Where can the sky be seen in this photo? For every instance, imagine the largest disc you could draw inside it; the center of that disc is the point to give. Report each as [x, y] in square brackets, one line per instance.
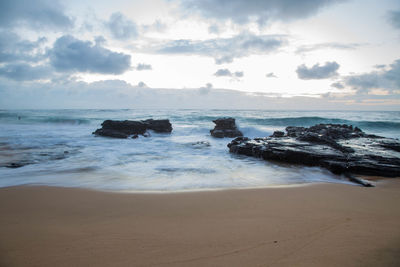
[250, 54]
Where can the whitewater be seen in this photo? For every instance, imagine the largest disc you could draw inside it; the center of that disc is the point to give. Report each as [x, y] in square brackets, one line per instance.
[62, 151]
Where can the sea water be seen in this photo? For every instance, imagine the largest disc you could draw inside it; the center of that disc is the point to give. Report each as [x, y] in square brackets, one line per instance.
[62, 151]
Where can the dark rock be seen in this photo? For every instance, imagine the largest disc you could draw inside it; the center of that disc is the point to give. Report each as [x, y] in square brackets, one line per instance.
[341, 149]
[278, 134]
[110, 133]
[15, 165]
[159, 126]
[225, 127]
[124, 129]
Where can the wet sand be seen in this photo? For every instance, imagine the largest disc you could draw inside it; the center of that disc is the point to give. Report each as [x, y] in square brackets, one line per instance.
[317, 225]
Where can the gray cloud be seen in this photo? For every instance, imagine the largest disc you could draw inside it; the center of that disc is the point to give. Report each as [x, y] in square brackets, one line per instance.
[38, 14]
[228, 73]
[380, 66]
[224, 50]
[121, 27]
[25, 72]
[261, 11]
[309, 48]
[394, 18]
[271, 75]
[12, 48]
[143, 66]
[141, 85]
[71, 54]
[337, 85]
[318, 72]
[388, 79]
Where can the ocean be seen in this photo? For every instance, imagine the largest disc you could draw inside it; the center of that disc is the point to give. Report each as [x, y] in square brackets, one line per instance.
[61, 150]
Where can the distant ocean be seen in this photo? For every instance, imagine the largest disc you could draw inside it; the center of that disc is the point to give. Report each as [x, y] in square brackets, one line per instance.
[63, 152]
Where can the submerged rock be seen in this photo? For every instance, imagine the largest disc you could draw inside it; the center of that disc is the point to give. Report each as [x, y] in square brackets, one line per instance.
[225, 127]
[341, 149]
[124, 129]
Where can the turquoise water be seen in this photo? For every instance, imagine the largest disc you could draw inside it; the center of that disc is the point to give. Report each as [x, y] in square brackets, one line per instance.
[63, 152]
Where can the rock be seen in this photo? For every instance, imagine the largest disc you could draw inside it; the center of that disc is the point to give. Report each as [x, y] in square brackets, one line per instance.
[225, 127]
[124, 129]
[341, 149]
[159, 126]
[15, 165]
[200, 144]
[278, 134]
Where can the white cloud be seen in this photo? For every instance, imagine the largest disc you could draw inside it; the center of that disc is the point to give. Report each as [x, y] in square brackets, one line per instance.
[119, 94]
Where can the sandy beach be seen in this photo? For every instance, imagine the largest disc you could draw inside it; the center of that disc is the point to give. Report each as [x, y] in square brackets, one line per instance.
[315, 225]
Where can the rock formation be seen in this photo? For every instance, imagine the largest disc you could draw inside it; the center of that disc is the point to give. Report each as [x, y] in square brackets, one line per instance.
[341, 149]
[125, 129]
[225, 127]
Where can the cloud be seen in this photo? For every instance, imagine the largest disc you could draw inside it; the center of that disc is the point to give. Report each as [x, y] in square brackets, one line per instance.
[25, 72]
[214, 28]
[318, 72]
[121, 27]
[141, 85]
[260, 11]
[119, 94]
[143, 66]
[380, 66]
[271, 75]
[205, 89]
[309, 48]
[73, 55]
[224, 50]
[387, 79]
[156, 26]
[12, 48]
[394, 18]
[38, 14]
[337, 85]
[228, 73]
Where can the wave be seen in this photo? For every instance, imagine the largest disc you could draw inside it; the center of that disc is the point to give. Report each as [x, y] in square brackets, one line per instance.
[195, 120]
[63, 120]
[309, 121]
[23, 118]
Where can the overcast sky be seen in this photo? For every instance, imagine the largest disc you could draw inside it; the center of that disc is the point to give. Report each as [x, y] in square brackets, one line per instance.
[288, 54]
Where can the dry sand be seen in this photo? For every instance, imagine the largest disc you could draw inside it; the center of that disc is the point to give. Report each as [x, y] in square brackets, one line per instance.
[317, 225]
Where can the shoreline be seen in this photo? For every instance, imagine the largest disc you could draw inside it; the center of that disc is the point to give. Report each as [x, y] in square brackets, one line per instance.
[313, 225]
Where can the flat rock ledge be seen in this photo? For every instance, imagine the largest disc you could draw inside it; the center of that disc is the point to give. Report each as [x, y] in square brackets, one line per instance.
[127, 128]
[225, 127]
[342, 149]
